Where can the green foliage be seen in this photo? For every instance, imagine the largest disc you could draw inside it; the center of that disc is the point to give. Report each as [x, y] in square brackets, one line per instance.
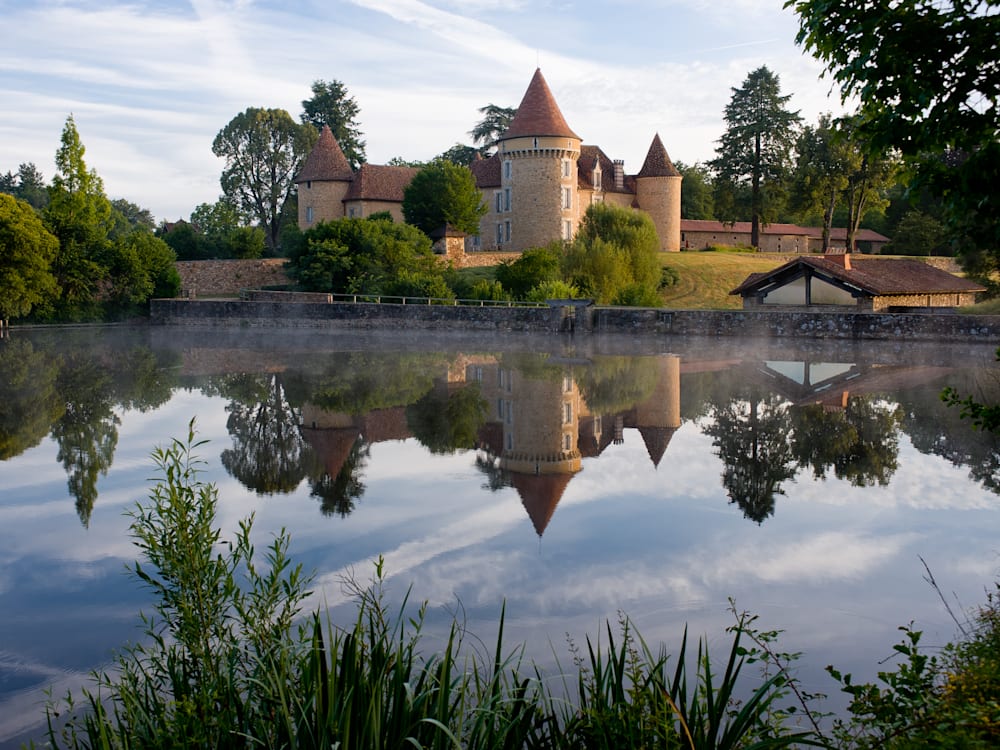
[495, 122]
[27, 185]
[186, 243]
[697, 201]
[79, 215]
[754, 154]
[486, 289]
[27, 251]
[925, 75]
[918, 234]
[263, 150]
[365, 255]
[446, 422]
[219, 230]
[443, 193]
[534, 267]
[140, 266]
[552, 290]
[615, 256]
[461, 154]
[127, 216]
[330, 104]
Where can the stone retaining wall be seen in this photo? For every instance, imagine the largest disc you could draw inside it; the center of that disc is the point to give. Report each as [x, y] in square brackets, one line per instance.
[899, 327]
[204, 278]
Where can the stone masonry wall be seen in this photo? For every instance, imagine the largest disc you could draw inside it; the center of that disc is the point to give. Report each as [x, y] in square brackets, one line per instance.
[206, 278]
[898, 327]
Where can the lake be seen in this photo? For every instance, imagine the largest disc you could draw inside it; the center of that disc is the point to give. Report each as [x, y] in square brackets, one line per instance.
[571, 479]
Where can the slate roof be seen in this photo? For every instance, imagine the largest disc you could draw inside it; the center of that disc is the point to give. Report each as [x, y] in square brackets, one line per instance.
[376, 182]
[657, 162]
[326, 162]
[538, 113]
[877, 277]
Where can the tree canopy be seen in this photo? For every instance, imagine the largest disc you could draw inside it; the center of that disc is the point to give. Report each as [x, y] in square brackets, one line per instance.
[443, 193]
[754, 153]
[927, 74]
[26, 251]
[263, 150]
[330, 104]
[495, 122]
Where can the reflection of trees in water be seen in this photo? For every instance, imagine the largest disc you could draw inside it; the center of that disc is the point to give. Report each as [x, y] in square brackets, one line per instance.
[938, 430]
[859, 442]
[268, 453]
[448, 420]
[751, 436]
[87, 431]
[339, 495]
[615, 384]
[489, 465]
[29, 395]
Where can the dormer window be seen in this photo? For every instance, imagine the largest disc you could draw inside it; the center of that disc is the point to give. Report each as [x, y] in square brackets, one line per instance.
[597, 178]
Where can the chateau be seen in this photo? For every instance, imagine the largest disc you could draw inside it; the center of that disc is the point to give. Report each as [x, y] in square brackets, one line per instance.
[536, 187]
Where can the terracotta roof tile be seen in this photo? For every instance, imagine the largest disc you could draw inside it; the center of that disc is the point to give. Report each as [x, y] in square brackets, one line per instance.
[486, 171]
[589, 155]
[876, 276]
[326, 162]
[376, 182]
[657, 162]
[538, 113]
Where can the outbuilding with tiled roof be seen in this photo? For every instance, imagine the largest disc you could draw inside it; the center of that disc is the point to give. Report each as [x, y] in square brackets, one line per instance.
[845, 280]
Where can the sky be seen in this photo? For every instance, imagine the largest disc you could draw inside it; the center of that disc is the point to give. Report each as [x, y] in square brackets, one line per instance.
[150, 83]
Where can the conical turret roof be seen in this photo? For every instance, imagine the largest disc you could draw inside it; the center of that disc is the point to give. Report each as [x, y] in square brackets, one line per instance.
[657, 162]
[538, 113]
[326, 161]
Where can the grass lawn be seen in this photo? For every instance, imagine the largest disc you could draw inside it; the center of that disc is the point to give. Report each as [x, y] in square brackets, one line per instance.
[706, 278]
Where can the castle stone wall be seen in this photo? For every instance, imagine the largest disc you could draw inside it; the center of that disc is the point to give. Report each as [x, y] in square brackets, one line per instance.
[898, 327]
[205, 278]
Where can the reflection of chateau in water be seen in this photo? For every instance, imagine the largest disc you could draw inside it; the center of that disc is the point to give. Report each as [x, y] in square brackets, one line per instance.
[540, 428]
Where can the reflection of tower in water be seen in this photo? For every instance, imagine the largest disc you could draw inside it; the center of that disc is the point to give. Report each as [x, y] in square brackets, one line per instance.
[538, 423]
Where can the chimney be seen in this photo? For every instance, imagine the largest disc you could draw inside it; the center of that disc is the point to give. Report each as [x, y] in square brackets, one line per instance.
[619, 174]
[841, 258]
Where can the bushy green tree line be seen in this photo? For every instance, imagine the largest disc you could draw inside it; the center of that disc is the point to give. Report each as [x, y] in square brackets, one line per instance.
[76, 254]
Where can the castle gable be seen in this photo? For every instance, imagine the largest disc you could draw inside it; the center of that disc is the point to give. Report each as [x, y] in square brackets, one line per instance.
[326, 162]
[538, 113]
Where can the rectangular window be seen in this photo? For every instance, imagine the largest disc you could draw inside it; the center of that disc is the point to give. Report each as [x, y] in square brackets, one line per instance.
[567, 195]
[567, 231]
[568, 413]
[567, 443]
[506, 199]
[499, 408]
[499, 200]
[508, 169]
[506, 228]
[566, 168]
[567, 384]
[499, 234]
[509, 412]
[352, 212]
[510, 441]
[309, 214]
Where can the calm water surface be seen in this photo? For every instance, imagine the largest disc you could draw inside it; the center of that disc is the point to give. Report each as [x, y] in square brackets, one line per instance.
[571, 479]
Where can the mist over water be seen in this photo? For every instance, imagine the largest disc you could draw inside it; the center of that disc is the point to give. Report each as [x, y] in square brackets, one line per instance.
[570, 478]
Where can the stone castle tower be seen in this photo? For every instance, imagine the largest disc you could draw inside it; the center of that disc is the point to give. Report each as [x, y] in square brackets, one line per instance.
[323, 181]
[658, 193]
[538, 157]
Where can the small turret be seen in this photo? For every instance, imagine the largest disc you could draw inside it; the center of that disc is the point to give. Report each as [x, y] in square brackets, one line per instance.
[323, 181]
[658, 193]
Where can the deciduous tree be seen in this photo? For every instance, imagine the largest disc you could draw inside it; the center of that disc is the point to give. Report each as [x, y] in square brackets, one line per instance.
[443, 193]
[331, 105]
[27, 251]
[928, 79]
[754, 154]
[263, 150]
